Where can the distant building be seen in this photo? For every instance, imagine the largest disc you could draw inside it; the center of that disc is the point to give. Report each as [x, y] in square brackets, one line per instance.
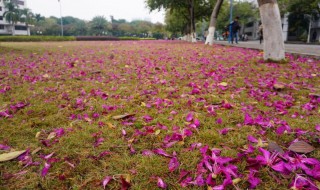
[251, 28]
[5, 27]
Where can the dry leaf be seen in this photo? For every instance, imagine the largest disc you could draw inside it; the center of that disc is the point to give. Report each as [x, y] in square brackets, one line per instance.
[223, 84]
[261, 143]
[157, 132]
[274, 147]
[122, 116]
[11, 155]
[45, 76]
[236, 181]
[36, 150]
[110, 125]
[278, 86]
[314, 95]
[51, 135]
[38, 134]
[301, 147]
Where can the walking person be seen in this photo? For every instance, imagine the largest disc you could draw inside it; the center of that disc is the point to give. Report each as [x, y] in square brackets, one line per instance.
[260, 32]
[314, 36]
[235, 28]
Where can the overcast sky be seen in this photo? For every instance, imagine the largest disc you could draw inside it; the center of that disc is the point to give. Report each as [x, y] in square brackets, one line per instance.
[120, 9]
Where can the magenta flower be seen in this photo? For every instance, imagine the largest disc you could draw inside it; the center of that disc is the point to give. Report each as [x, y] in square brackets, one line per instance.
[224, 131]
[173, 164]
[161, 152]
[147, 153]
[267, 159]
[189, 117]
[4, 147]
[254, 181]
[106, 181]
[147, 118]
[45, 169]
[98, 142]
[161, 183]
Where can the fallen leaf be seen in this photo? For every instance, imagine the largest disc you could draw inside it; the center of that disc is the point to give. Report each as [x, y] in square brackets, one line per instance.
[11, 155]
[278, 86]
[45, 76]
[274, 147]
[36, 150]
[314, 95]
[261, 143]
[157, 132]
[38, 134]
[122, 116]
[110, 125]
[301, 147]
[51, 135]
[223, 84]
[236, 181]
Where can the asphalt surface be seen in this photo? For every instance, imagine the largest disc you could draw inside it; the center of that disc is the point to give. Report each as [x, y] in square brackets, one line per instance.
[301, 49]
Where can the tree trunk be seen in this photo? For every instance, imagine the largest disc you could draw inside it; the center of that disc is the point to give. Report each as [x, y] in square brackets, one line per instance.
[28, 31]
[13, 30]
[272, 30]
[192, 22]
[213, 21]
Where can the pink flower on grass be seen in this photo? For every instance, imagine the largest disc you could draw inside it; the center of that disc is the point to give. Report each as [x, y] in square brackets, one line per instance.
[161, 183]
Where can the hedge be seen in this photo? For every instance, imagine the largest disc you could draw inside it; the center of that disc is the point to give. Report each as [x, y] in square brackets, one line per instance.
[67, 38]
[96, 38]
[35, 38]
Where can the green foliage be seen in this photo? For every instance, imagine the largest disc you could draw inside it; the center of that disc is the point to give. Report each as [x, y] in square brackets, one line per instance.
[98, 25]
[181, 15]
[245, 10]
[128, 38]
[298, 22]
[34, 38]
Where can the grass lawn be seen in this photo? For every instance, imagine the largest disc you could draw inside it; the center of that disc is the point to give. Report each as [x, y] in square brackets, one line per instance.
[156, 114]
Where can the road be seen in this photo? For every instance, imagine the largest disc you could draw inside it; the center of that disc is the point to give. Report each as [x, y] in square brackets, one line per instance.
[302, 49]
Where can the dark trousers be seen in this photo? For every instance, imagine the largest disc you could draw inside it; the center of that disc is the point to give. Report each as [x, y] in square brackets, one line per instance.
[234, 35]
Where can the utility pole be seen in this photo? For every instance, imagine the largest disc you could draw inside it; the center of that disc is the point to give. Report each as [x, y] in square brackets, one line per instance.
[230, 26]
[61, 22]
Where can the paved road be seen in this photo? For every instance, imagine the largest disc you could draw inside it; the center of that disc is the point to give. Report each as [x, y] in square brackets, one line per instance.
[303, 49]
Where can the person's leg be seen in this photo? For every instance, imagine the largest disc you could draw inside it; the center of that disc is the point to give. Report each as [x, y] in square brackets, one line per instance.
[236, 37]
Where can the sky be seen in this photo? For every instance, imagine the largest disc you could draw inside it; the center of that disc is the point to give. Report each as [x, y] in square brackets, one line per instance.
[120, 9]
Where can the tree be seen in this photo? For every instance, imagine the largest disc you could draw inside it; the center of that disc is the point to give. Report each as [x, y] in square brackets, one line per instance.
[27, 17]
[98, 25]
[213, 21]
[190, 9]
[301, 14]
[12, 14]
[272, 30]
[176, 22]
[38, 17]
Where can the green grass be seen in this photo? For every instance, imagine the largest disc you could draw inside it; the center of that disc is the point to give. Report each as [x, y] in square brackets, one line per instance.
[38, 73]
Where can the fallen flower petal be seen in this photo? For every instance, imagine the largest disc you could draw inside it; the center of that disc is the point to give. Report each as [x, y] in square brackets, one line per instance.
[161, 183]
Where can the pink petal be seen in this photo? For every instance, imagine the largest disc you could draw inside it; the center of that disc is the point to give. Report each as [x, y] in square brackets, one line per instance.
[161, 152]
[45, 169]
[4, 147]
[189, 117]
[173, 164]
[161, 183]
[252, 139]
[105, 181]
[147, 153]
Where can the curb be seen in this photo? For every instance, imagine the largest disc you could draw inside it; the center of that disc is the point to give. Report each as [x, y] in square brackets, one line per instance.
[317, 57]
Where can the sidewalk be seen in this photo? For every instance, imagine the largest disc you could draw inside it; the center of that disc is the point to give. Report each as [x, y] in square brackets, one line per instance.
[300, 49]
